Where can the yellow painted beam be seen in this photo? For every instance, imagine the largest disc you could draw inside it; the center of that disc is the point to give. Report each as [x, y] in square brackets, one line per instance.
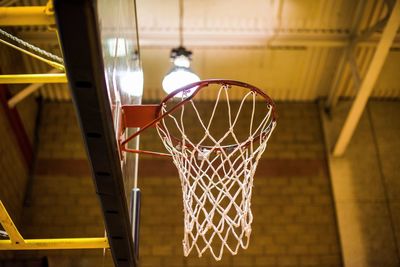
[56, 243]
[33, 78]
[368, 83]
[9, 227]
[26, 16]
[17, 242]
[27, 91]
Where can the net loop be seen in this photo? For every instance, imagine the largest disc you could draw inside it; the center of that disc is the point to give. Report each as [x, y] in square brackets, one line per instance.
[216, 166]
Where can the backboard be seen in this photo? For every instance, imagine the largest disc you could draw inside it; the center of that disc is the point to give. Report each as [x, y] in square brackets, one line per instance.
[122, 68]
[124, 78]
[99, 45]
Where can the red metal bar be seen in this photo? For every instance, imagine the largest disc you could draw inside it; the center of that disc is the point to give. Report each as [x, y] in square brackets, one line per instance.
[145, 152]
[15, 122]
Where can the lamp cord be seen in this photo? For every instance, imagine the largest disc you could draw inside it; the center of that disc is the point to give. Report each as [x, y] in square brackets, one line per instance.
[181, 22]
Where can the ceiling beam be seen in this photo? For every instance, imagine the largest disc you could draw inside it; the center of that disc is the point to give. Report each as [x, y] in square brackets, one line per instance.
[367, 84]
[354, 69]
[334, 92]
[159, 38]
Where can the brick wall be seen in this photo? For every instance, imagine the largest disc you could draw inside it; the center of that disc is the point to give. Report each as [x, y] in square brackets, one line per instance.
[365, 184]
[13, 173]
[294, 220]
[27, 108]
[62, 200]
[14, 170]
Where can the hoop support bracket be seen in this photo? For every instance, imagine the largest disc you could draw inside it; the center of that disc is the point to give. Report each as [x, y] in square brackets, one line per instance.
[138, 116]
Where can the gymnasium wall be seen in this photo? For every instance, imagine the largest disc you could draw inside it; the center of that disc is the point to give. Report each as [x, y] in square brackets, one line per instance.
[366, 183]
[62, 201]
[294, 218]
[13, 173]
[14, 168]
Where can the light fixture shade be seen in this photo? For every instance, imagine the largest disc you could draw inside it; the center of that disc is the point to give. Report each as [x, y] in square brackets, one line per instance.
[177, 78]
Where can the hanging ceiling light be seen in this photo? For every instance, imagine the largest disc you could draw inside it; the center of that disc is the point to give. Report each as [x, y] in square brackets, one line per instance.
[180, 73]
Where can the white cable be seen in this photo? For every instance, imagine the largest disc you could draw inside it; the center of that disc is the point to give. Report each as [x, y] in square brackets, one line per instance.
[31, 47]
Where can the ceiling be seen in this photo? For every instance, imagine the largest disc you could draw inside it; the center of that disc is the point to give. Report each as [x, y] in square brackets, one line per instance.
[290, 48]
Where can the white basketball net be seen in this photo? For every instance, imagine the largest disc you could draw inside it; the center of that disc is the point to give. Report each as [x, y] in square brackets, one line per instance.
[216, 178]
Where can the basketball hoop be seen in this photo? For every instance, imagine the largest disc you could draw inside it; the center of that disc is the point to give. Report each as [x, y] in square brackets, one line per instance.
[216, 166]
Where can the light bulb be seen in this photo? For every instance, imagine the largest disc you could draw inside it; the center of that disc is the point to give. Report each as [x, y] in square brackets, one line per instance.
[177, 78]
[131, 82]
[182, 61]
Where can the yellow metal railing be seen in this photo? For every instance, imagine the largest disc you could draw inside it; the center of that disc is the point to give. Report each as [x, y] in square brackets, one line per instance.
[33, 78]
[17, 242]
[26, 16]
